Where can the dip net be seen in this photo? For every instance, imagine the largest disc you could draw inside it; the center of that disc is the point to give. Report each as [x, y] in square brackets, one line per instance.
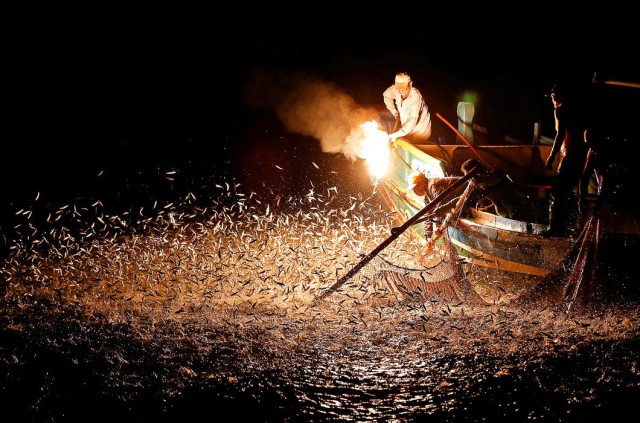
[440, 277]
[571, 284]
[436, 276]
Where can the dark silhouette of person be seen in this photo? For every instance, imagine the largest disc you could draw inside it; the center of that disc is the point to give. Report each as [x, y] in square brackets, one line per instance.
[569, 142]
[491, 190]
[494, 190]
[610, 160]
[597, 164]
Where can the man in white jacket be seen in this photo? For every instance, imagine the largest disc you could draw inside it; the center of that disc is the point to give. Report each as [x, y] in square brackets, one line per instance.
[406, 104]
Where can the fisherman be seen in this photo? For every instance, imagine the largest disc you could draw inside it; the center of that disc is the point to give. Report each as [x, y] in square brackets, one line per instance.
[569, 142]
[495, 190]
[429, 189]
[408, 107]
[593, 167]
[491, 190]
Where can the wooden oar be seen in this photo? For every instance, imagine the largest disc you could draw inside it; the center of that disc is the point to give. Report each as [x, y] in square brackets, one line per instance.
[395, 233]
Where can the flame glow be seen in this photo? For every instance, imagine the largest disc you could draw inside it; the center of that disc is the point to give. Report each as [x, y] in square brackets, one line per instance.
[374, 149]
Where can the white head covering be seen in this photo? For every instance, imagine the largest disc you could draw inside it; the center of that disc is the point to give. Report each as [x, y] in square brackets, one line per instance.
[402, 80]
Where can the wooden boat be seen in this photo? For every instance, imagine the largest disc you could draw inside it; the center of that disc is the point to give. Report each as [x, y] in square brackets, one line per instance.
[558, 268]
[485, 238]
[539, 271]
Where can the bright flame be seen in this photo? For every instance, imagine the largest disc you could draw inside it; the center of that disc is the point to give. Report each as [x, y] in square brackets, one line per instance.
[374, 149]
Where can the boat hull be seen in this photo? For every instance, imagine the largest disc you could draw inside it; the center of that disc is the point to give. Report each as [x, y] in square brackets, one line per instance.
[522, 251]
[487, 239]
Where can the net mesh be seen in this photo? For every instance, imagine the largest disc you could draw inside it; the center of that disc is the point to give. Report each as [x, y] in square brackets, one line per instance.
[439, 277]
[571, 283]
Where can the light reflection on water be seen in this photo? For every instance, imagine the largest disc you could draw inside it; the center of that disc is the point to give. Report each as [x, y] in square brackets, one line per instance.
[342, 374]
[372, 391]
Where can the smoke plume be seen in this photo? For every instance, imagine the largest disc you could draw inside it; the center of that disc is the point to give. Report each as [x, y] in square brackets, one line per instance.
[310, 106]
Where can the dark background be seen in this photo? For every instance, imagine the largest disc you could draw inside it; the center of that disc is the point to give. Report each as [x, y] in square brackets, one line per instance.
[98, 98]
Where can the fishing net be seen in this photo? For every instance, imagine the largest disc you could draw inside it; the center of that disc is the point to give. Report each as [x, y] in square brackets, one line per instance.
[440, 277]
[436, 275]
[570, 285]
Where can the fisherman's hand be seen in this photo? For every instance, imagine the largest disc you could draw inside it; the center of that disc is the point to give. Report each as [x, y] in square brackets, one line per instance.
[393, 137]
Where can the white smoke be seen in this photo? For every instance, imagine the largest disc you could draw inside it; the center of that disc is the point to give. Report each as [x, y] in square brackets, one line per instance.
[309, 106]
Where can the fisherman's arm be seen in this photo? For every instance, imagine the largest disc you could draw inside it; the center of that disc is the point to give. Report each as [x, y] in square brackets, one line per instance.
[557, 140]
[389, 102]
[410, 123]
[405, 129]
